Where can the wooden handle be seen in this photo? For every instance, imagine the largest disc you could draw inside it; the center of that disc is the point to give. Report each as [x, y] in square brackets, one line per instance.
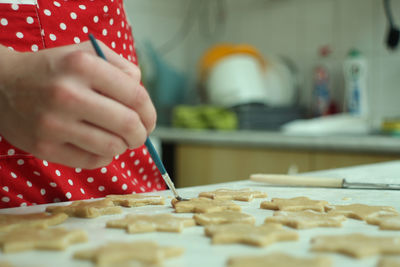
[290, 180]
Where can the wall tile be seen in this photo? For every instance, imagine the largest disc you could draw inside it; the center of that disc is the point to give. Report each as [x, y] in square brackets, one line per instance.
[354, 19]
[273, 30]
[293, 28]
[387, 90]
[157, 21]
[318, 17]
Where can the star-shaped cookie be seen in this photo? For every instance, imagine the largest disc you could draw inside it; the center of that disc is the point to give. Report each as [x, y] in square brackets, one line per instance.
[43, 239]
[357, 245]
[203, 205]
[385, 221]
[229, 194]
[87, 209]
[10, 222]
[359, 211]
[223, 217]
[389, 262]
[294, 204]
[149, 223]
[306, 219]
[249, 234]
[278, 259]
[147, 252]
[135, 200]
[5, 264]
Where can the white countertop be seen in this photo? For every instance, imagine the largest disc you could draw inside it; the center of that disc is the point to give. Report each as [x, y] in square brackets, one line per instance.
[199, 251]
[276, 139]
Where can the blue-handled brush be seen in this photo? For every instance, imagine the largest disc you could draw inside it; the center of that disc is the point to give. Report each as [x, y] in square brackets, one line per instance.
[148, 143]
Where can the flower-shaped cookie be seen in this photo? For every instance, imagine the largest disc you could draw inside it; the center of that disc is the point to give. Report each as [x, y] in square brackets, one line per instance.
[360, 211]
[135, 200]
[146, 252]
[149, 223]
[223, 217]
[278, 259]
[43, 239]
[10, 222]
[87, 209]
[294, 204]
[357, 245]
[249, 234]
[385, 221]
[203, 205]
[229, 194]
[306, 219]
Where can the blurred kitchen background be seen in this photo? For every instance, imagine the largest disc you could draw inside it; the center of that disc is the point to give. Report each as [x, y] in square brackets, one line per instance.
[273, 86]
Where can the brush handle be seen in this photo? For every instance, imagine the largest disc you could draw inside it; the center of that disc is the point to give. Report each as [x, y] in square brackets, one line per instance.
[154, 156]
[96, 47]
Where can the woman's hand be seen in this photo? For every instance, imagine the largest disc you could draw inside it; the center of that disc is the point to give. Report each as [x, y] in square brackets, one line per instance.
[69, 106]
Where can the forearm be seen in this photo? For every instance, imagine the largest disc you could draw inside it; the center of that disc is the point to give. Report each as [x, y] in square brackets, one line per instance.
[8, 63]
[4, 54]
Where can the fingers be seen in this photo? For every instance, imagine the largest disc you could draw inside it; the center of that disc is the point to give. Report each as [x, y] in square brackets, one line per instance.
[94, 140]
[110, 81]
[125, 92]
[59, 129]
[116, 118]
[113, 58]
[142, 102]
[120, 62]
[81, 106]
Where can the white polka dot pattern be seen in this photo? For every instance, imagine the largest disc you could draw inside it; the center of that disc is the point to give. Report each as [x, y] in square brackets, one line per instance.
[28, 180]
[29, 20]
[3, 21]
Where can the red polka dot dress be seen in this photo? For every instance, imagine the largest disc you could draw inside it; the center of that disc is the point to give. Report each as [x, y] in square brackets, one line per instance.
[32, 25]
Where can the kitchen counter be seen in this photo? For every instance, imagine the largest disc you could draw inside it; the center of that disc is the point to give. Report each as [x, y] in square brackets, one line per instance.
[275, 139]
[199, 251]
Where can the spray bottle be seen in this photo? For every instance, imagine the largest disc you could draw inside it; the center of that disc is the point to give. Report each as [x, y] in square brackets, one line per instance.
[321, 84]
[355, 76]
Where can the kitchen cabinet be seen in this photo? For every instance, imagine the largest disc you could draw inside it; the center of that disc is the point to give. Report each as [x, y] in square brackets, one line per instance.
[329, 160]
[199, 164]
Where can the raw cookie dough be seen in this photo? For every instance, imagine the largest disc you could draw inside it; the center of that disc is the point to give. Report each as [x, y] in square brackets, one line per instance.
[294, 204]
[147, 252]
[10, 222]
[135, 200]
[222, 217]
[278, 260]
[42, 239]
[249, 234]
[356, 245]
[359, 211]
[87, 209]
[150, 223]
[306, 219]
[389, 262]
[229, 194]
[203, 205]
[385, 221]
